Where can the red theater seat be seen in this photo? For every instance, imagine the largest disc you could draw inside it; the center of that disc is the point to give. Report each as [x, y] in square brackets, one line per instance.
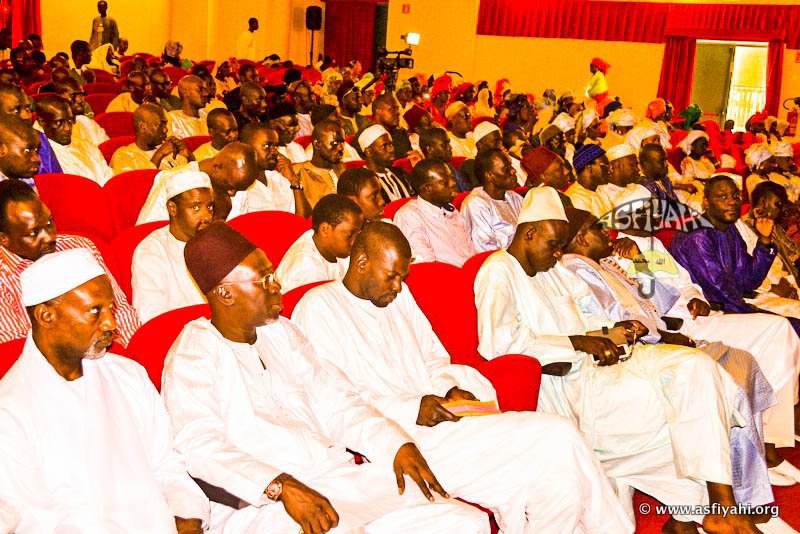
[78, 204]
[272, 231]
[125, 194]
[116, 123]
[107, 148]
[122, 249]
[102, 87]
[99, 102]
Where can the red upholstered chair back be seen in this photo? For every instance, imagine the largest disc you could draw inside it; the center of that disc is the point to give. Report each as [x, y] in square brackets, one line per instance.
[9, 352]
[291, 298]
[174, 73]
[102, 87]
[272, 231]
[195, 141]
[100, 101]
[125, 194]
[405, 164]
[150, 344]
[209, 64]
[107, 148]
[122, 249]
[116, 123]
[473, 265]
[457, 161]
[666, 235]
[675, 157]
[391, 208]
[125, 67]
[355, 164]
[102, 76]
[460, 199]
[303, 141]
[444, 295]
[77, 203]
[103, 247]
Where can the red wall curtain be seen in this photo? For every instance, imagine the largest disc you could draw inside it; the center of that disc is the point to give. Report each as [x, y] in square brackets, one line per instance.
[349, 31]
[677, 71]
[26, 18]
[774, 70]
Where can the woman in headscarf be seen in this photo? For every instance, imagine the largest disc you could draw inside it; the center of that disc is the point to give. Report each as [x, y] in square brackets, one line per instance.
[598, 86]
[483, 106]
[761, 161]
[103, 59]
[172, 55]
[331, 81]
[699, 163]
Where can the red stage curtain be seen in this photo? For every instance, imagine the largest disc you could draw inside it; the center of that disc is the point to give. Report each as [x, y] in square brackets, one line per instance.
[677, 71]
[349, 31]
[638, 21]
[26, 18]
[774, 71]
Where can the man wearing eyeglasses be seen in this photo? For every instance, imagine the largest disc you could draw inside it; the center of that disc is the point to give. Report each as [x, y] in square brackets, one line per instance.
[258, 414]
[459, 129]
[85, 128]
[162, 91]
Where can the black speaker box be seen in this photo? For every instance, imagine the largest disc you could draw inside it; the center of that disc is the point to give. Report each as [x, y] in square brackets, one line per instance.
[314, 18]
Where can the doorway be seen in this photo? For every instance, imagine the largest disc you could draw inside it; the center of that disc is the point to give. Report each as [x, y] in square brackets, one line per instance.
[730, 80]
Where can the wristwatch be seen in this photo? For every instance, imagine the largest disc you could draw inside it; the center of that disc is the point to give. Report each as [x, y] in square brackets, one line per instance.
[275, 488]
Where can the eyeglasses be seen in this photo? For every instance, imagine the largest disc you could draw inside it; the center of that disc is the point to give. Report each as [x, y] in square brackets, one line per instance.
[265, 282]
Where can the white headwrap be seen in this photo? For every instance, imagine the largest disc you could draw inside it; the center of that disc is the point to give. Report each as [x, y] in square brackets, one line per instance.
[564, 122]
[542, 204]
[180, 182]
[641, 132]
[483, 129]
[621, 117]
[620, 151]
[688, 141]
[756, 155]
[54, 274]
[783, 150]
[370, 135]
[589, 116]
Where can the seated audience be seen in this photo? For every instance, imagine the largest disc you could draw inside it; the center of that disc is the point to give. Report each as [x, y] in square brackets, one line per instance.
[138, 91]
[153, 149]
[85, 127]
[349, 106]
[363, 187]
[369, 326]
[378, 149]
[623, 174]
[27, 232]
[435, 144]
[187, 121]
[253, 107]
[283, 119]
[277, 186]
[435, 229]
[699, 163]
[232, 173]
[87, 444]
[19, 150]
[319, 175]
[386, 113]
[301, 95]
[591, 172]
[223, 130]
[491, 211]
[161, 85]
[761, 160]
[75, 156]
[15, 103]
[528, 303]
[459, 130]
[160, 281]
[323, 252]
[487, 136]
[253, 406]
[545, 167]
[79, 66]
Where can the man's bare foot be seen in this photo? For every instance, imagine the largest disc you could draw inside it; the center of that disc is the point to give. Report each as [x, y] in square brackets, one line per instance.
[673, 526]
[732, 524]
[771, 455]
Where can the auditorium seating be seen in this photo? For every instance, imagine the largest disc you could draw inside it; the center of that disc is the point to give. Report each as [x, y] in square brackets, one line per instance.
[107, 148]
[99, 102]
[77, 203]
[355, 164]
[122, 249]
[9, 352]
[150, 344]
[174, 73]
[392, 207]
[195, 141]
[103, 76]
[102, 87]
[303, 141]
[125, 194]
[116, 123]
[291, 298]
[272, 231]
[460, 199]
[445, 295]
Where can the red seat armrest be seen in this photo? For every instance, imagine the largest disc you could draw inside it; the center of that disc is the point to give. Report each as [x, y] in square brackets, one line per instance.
[516, 379]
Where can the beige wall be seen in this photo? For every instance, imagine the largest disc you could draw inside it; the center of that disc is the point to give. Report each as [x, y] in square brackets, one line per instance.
[145, 23]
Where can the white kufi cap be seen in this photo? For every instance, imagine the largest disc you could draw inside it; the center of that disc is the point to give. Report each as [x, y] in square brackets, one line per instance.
[54, 274]
[542, 204]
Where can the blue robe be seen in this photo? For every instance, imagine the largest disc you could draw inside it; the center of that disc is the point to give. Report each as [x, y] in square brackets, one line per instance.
[49, 163]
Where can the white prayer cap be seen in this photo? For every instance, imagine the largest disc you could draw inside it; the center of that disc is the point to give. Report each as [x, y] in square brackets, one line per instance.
[454, 109]
[483, 129]
[564, 122]
[370, 135]
[783, 150]
[620, 151]
[757, 154]
[180, 182]
[694, 135]
[542, 204]
[727, 162]
[54, 274]
[589, 116]
[621, 117]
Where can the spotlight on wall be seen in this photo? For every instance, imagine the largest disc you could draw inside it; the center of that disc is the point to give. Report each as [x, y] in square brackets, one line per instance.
[411, 38]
